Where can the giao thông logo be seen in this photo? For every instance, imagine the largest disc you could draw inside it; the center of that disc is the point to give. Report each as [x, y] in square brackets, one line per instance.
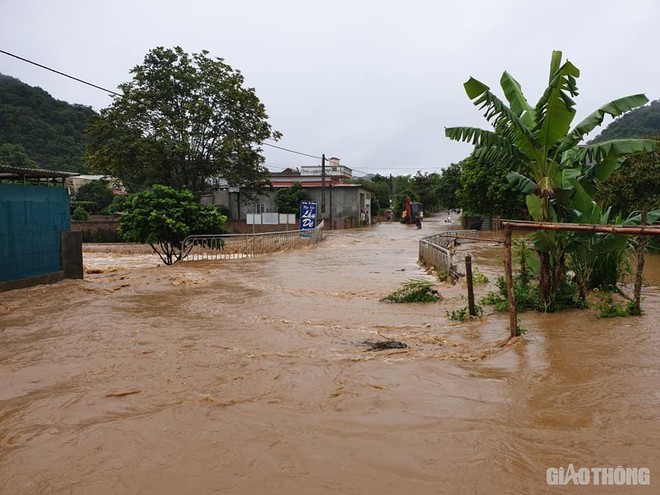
[598, 476]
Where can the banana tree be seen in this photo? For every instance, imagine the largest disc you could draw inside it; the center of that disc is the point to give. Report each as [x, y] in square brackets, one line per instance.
[545, 158]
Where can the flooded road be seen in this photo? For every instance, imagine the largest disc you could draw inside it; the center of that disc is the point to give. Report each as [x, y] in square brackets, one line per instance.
[248, 377]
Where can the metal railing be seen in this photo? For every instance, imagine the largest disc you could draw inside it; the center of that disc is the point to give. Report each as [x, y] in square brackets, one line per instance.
[436, 250]
[238, 246]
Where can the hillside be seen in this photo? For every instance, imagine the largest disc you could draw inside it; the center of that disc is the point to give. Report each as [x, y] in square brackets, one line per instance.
[639, 123]
[50, 131]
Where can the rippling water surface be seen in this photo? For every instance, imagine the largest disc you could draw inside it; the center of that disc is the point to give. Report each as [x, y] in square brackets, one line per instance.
[248, 377]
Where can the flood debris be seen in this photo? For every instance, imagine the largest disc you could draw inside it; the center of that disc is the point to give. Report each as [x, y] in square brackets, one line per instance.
[414, 290]
[122, 393]
[382, 345]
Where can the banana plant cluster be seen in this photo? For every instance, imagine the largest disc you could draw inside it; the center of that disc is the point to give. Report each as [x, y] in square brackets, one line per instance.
[545, 155]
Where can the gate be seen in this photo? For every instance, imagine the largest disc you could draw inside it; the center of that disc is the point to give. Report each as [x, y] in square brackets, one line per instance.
[435, 250]
[238, 246]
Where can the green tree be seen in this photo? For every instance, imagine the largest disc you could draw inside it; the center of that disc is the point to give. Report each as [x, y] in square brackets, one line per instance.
[181, 120]
[484, 189]
[634, 186]
[163, 217]
[426, 187]
[542, 152]
[50, 131]
[288, 199]
[403, 186]
[13, 155]
[449, 187]
[97, 194]
[80, 214]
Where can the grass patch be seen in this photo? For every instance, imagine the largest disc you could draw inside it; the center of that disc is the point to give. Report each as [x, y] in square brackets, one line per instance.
[414, 290]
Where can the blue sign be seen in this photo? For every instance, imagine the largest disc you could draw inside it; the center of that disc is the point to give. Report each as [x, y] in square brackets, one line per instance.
[307, 217]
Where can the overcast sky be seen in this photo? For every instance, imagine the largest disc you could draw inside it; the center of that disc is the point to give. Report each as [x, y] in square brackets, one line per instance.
[374, 82]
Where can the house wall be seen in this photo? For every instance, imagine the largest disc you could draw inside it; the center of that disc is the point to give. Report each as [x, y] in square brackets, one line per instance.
[32, 219]
[343, 205]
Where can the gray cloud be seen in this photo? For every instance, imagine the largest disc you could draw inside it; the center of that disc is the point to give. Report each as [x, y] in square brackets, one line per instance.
[371, 81]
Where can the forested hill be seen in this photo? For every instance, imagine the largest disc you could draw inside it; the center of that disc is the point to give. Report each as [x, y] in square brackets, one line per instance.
[50, 131]
[642, 122]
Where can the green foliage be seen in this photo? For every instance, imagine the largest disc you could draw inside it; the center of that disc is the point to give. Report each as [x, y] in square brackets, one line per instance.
[51, 132]
[607, 308]
[13, 155]
[542, 152]
[414, 290]
[80, 214]
[425, 187]
[182, 120]
[288, 199]
[163, 217]
[119, 204]
[449, 186]
[484, 189]
[403, 186]
[463, 314]
[640, 122]
[634, 186]
[478, 277]
[97, 194]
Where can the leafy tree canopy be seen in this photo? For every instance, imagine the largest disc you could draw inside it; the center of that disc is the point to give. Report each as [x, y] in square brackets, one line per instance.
[163, 217]
[449, 186]
[51, 132]
[484, 189]
[181, 120]
[288, 200]
[13, 155]
[634, 186]
[97, 194]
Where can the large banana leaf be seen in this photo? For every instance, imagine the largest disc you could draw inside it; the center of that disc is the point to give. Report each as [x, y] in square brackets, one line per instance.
[614, 108]
[500, 116]
[522, 183]
[653, 216]
[534, 206]
[555, 110]
[519, 105]
[616, 147]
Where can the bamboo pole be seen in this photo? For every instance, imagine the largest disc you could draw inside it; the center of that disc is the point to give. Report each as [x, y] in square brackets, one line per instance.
[508, 273]
[578, 227]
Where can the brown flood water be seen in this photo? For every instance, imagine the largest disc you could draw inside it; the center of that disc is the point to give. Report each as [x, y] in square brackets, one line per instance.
[245, 377]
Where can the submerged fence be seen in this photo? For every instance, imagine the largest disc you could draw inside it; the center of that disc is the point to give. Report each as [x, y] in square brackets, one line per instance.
[436, 250]
[238, 246]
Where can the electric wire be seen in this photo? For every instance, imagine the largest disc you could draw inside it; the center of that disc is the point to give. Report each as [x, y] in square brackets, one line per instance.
[61, 73]
[118, 94]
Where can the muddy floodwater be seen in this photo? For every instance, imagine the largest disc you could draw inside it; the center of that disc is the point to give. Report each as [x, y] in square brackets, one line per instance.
[248, 377]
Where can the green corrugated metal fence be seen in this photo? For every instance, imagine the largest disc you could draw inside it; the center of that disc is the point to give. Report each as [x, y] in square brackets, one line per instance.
[31, 221]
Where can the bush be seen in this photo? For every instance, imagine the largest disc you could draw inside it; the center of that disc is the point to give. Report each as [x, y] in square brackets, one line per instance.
[80, 214]
[414, 290]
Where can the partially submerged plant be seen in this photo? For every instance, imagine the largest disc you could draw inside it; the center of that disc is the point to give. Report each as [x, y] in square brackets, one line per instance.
[463, 315]
[414, 290]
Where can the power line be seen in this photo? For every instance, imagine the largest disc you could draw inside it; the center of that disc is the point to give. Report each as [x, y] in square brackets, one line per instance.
[61, 73]
[291, 151]
[117, 94]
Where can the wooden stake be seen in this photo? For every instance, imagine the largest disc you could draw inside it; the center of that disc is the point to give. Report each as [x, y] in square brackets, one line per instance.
[508, 273]
[637, 310]
[470, 285]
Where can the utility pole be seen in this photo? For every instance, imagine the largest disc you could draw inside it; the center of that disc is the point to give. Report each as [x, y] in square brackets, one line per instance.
[323, 185]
